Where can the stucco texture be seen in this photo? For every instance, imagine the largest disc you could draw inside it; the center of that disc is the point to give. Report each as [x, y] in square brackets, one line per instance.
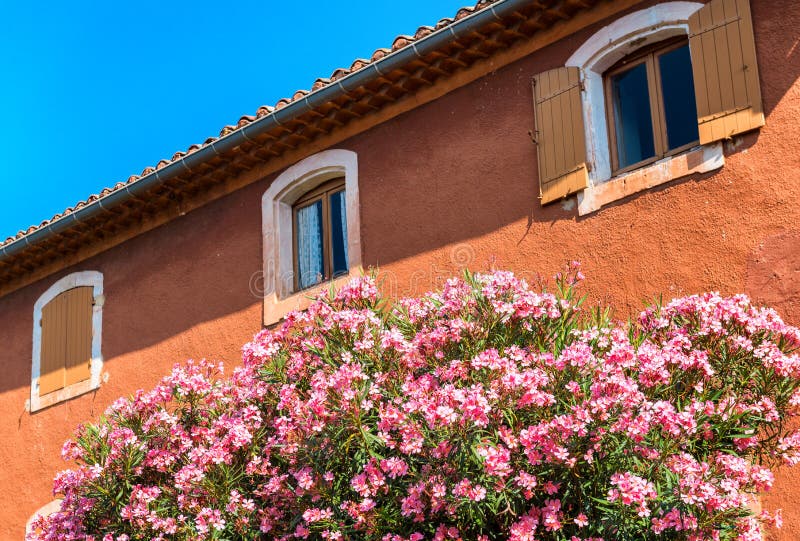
[448, 185]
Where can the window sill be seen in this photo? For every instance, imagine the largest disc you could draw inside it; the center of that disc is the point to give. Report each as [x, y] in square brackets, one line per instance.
[40, 402]
[275, 308]
[697, 160]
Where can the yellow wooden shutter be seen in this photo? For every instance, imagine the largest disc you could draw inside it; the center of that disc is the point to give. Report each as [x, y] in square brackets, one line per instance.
[726, 85]
[79, 335]
[54, 354]
[560, 137]
[66, 345]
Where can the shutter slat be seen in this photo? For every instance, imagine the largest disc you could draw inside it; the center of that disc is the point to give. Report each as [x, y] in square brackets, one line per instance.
[578, 135]
[723, 52]
[710, 64]
[740, 100]
[548, 163]
[560, 137]
[725, 76]
[558, 122]
[79, 335]
[51, 362]
[750, 64]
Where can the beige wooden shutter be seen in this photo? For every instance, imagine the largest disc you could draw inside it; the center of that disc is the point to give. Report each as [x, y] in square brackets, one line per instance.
[54, 353]
[66, 345]
[79, 335]
[726, 85]
[560, 137]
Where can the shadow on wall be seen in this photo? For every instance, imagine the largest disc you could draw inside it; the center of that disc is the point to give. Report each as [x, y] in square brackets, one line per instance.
[158, 285]
[778, 48]
[432, 179]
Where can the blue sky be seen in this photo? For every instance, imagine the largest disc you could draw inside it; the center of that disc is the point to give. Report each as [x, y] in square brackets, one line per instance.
[93, 92]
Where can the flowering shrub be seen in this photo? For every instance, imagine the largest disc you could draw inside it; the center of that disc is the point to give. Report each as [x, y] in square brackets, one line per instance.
[486, 411]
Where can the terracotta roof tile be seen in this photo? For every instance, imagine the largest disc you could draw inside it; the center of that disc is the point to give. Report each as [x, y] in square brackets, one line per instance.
[357, 64]
[398, 43]
[401, 41]
[379, 53]
[423, 31]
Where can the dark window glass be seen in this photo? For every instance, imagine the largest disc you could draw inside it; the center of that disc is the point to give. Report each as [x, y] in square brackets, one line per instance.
[632, 118]
[310, 258]
[677, 88]
[339, 233]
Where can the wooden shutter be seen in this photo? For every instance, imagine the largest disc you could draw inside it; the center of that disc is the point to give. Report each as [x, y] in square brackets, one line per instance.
[66, 352]
[79, 335]
[726, 84]
[560, 137]
[54, 355]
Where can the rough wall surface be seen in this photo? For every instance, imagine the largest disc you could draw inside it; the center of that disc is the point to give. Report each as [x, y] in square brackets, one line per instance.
[448, 185]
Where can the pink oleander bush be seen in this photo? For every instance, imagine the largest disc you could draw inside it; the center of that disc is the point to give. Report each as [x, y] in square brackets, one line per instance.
[490, 410]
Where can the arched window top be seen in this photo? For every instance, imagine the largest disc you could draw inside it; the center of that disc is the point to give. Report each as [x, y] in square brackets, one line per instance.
[310, 172]
[43, 512]
[91, 279]
[633, 31]
[334, 250]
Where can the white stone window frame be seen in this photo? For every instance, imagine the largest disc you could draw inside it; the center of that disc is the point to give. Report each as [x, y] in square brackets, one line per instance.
[91, 279]
[277, 224]
[594, 57]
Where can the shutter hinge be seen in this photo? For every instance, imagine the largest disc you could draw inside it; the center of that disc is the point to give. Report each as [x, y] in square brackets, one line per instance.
[533, 139]
[717, 25]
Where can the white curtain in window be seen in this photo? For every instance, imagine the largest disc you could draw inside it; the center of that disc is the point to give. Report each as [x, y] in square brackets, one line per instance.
[309, 245]
[343, 214]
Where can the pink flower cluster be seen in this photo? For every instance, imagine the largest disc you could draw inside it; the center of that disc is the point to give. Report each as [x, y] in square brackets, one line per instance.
[488, 410]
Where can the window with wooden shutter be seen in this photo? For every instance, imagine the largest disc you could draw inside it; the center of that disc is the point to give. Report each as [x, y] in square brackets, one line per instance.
[559, 135]
[66, 343]
[725, 72]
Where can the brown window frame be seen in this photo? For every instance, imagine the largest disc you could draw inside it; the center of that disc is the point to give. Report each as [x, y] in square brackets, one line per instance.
[322, 193]
[648, 56]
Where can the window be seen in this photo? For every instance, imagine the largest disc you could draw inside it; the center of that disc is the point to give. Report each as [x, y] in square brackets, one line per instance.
[645, 100]
[320, 235]
[67, 324]
[650, 105]
[311, 231]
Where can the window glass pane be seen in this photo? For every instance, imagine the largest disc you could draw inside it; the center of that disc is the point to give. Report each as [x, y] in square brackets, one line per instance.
[632, 120]
[309, 245]
[339, 232]
[677, 87]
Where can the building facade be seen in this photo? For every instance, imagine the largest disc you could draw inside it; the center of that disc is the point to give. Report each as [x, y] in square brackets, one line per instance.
[655, 142]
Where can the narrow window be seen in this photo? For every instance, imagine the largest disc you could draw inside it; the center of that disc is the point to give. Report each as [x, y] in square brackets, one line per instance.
[651, 105]
[320, 235]
[67, 336]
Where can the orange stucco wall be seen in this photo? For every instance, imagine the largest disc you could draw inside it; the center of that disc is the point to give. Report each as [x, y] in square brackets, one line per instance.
[449, 184]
